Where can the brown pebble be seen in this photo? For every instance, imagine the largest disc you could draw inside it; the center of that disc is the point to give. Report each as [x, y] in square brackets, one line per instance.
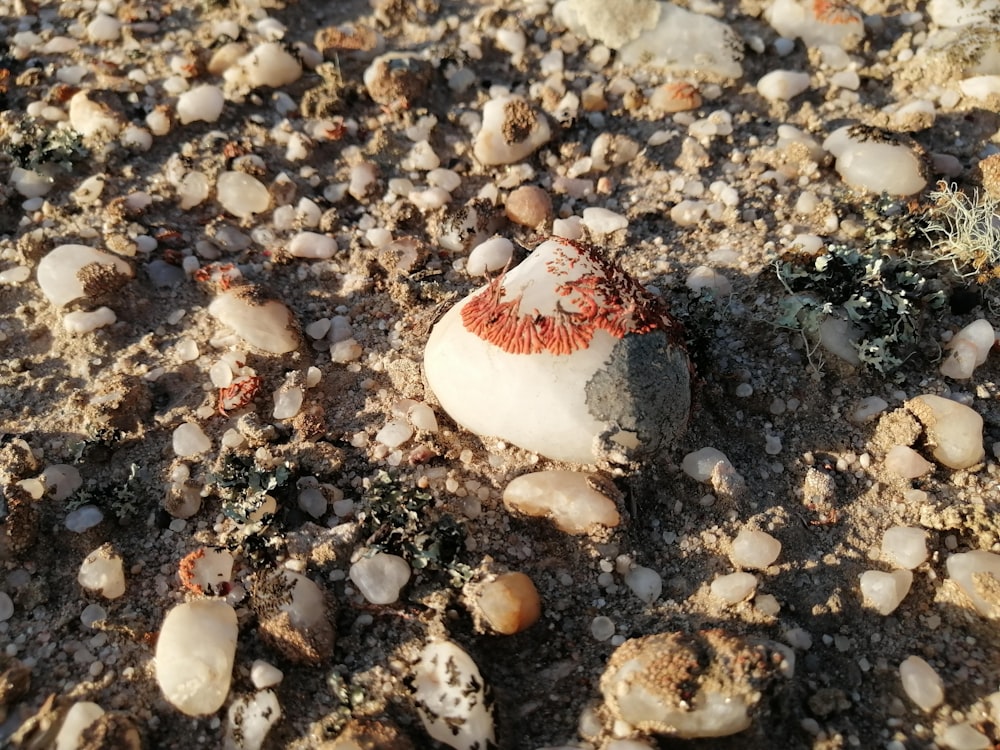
[508, 604]
[529, 206]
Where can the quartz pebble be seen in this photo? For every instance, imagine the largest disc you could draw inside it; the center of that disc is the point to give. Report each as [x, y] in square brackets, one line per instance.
[492, 255]
[6, 606]
[79, 321]
[312, 245]
[954, 431]
[61, 481]
[978, 574]
[905, 462]
[645, 583]
[452, 698]
[242, 195]
[83, 518]
[547, 341]
[190, 440]
[70, 272]
[511, 131]
[569, 498]
[287, 402]
[103, 573]
[294, 616]
[755, 550]
[873, 160]
[506, 604]
[194, 656]
[268, 64]
[202, 103]
[601, 221]
[905, 547]
[529, 206]
[885, 591]
[92, 117]
[381, 577]
[734, 588]
[264, 323]
[968, 349]
[264, 674]
[782, 85]
[964, 736]
[80, 715]
[921, 683]
[249, 719]
[700, 464]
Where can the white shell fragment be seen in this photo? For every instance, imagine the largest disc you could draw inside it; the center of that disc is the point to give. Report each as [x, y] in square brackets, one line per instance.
[968, 349]
[512, 130]
[954, 431]
[103, 573]
[978, 575]
[262, 322]
[69, 272]
[873, 160]
[452, 699]
[540, 357]
[571, 499]
[194, 656]
[921, 683]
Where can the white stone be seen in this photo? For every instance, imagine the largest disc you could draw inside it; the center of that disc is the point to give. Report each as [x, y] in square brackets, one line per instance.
[452, 698]
[904, 546]
[380, 577]
[978, 575]
[312, 245]
[704, 277]
[905, 462]
[249, 719]
[645, 583]
[268, 64]
[700, 464]
[734, 588]
[193, 189]
[491, 145]
[422, 417]
[80, 321]
[869, 161]
[964, 737]
[202, 103]
[601, 221]
[90, 118]
[782, 85]
[954, 431]
[62, 275]
[83, 518]
[242, 195]
[362, 181]
[885, 591]
[492, 255]
[30, 184]
[568, 498]
[79, 716]
[104, 28]
[921, 683]
[61, 481]
[103, 573]
[754, 549]
[686, 41]
[190, 440]
[968, 349]
[287, 402]
[264, 323]
[394, 433]
[817, 24]
[194, 655]
[613, 24]
[6, 606]
[264, 674]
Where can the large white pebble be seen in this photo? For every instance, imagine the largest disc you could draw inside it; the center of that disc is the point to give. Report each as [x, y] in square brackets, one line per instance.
[869, 160]
[885, 591]
[453, 700]
[242, 195]
[782, 85]
[265, 323]
[954, 430]
[968, 349]
[904, 546]
[190, 440]
[202, 103]
[734, 588]
[194, 655]
[921, 683]
[905, 462]
[754, 549]
[80, 716]
[380, 577]
[978, 575]
[69, 272]
[103, 573]
[567, 497]
[249, 719]
[491, 255]
[964, 736]
[312, 245]
[511, 131]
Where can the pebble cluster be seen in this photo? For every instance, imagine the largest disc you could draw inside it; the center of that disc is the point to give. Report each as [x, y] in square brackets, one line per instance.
[368, 408]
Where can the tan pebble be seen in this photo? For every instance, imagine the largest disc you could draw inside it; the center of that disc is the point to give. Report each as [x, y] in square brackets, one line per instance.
[677, 96]
[529, 206]
[509, 603]
[989, 173]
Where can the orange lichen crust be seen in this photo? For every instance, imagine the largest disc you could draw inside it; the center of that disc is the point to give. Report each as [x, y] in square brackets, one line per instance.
[835, 12]
[186, 571]
[238, 394]
[605, 298]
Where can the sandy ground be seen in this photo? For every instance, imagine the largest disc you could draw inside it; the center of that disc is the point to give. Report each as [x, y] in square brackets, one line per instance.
[846, 690]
